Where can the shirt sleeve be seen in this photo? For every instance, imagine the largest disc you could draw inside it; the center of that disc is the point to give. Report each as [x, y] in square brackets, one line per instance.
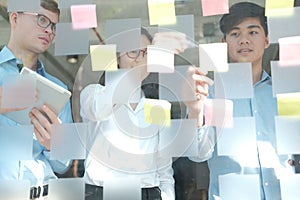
[166, 179]
[207, 139]
[94, 103]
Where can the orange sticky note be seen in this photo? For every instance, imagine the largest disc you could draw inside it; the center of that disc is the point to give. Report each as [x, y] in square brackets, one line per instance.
[104, 57]
[219, 113]
[161, 12]
[83, 16]
[289, 49]
[214, 7]
[157, 112]
[289, 104]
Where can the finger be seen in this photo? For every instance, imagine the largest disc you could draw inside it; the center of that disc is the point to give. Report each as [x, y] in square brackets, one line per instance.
[42, 119]
[51, 114]
[41, 133]
[203, 79]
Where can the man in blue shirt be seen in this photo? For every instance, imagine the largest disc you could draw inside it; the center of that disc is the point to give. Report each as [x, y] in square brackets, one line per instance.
[245, 31]
[31, 34]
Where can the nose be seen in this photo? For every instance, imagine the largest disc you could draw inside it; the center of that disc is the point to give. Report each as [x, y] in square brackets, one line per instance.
[244, 39]
[48, 29]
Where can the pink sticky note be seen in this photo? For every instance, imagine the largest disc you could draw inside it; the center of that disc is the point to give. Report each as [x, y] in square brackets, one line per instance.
[214, 7]
[219, 113]
[84, 16]
[289, 49]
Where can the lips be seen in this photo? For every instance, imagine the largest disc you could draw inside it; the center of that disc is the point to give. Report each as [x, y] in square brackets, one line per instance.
[244, 50]
[45, 39]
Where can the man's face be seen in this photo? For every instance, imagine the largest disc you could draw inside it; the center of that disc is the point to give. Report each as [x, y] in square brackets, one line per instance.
[30, 35]
[247, 42]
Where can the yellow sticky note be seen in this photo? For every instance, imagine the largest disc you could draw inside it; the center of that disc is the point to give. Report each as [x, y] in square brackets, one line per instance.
[104, 57]
[157, 112]
[288, 104]
[161, 12]
[274, 7]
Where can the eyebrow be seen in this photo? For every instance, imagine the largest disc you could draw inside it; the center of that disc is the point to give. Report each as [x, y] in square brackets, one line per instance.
[248, 27]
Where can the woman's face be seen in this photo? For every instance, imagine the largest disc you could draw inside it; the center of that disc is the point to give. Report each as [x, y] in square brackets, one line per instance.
[136, 58]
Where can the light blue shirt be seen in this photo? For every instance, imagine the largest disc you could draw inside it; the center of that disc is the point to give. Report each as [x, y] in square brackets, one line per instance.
[40, 169]
[266, 163]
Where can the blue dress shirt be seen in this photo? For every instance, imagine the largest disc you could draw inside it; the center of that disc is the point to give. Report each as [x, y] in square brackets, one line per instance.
[265, 163]
[40, 169]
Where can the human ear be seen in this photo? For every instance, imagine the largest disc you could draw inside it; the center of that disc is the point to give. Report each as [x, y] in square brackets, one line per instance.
[223, 39]
[267, 42]
[13, 18]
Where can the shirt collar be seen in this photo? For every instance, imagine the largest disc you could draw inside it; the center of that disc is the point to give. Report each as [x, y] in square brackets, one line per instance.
[265, 76]
[7, 55]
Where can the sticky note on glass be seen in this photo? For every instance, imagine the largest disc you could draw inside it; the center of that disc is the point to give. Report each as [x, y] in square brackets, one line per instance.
[122, 188]
[246, 187]
[274, 7]
[240, 144]
[17, 140]
[289, 22]
[69, 41]
[61, 188]
[84, 16]
[125, 33]
[104, 57]
[289, 49]
[64, 138]
[284, 79]
[161, 12]
[14, 189]
[179, 139]
[218, 112]
[288, 104]
[287, 134]
[213, 57]
[19, 6]
[157, 112]
[18, 91]
[159, 60]
[183, 90]
[227, 86]
[214, 7]
[289, 186]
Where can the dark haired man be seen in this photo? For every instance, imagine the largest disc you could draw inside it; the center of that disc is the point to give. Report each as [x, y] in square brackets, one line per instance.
[246, 33]
[31, 34]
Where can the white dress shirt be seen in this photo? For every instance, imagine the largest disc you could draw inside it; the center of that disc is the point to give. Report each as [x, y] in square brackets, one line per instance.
[118, 150]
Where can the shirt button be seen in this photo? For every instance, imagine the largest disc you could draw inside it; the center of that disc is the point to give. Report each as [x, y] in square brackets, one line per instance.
[258, 133]
[255, 111]
[291, 162]
[266, 183]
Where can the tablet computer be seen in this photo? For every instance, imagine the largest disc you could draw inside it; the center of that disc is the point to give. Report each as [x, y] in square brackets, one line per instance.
[49, 93]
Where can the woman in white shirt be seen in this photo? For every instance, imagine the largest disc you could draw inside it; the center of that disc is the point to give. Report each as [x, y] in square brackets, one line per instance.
[122, 146]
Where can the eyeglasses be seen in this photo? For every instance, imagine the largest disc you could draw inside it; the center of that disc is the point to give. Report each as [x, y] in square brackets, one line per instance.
[136, 53]
[43, 21]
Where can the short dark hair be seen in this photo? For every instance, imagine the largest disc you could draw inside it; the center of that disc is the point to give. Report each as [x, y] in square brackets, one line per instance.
[238, 12]
[50, 5]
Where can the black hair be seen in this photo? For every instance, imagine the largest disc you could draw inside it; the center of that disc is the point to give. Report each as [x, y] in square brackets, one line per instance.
[238, 12]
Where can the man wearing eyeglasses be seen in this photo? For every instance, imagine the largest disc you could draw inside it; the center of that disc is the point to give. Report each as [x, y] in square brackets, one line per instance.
[31, 34]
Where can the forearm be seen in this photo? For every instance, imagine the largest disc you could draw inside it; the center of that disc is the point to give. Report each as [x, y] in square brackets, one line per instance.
[94, 103]
[206, 142]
